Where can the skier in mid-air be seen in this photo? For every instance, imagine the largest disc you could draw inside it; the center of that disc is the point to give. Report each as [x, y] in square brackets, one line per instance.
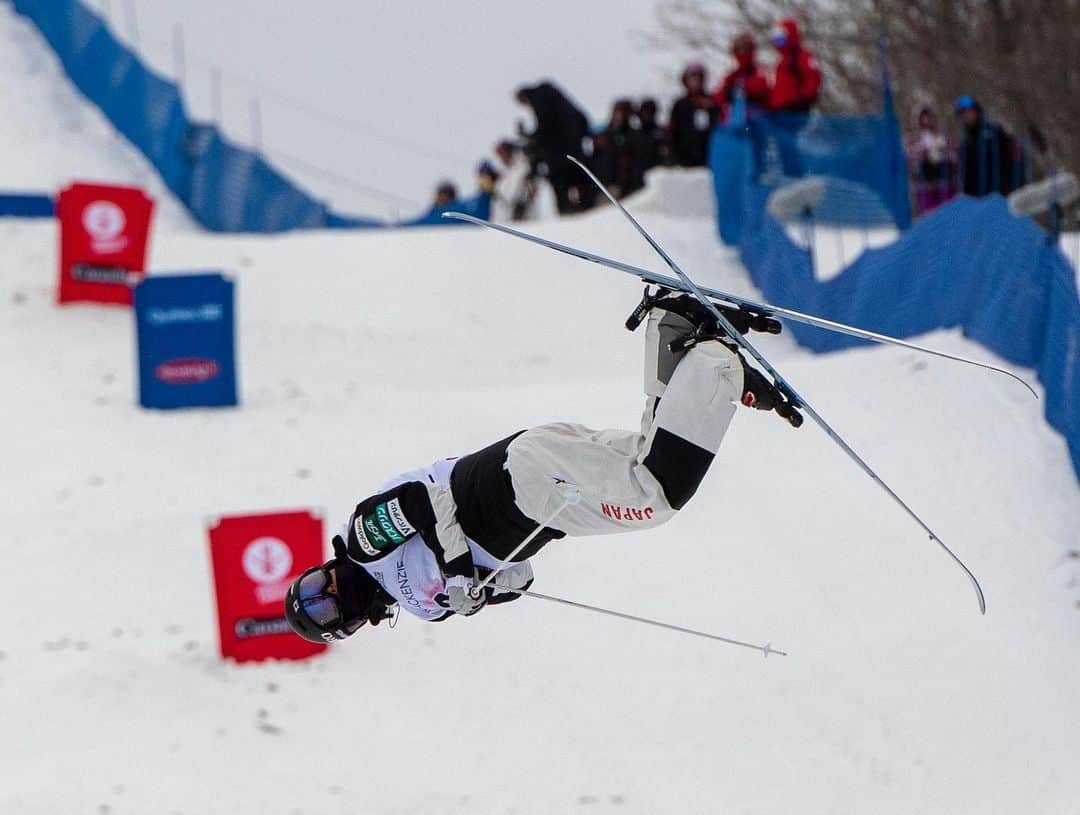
[430, 537]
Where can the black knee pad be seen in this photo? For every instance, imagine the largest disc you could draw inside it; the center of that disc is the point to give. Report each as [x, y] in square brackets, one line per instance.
[679, 466]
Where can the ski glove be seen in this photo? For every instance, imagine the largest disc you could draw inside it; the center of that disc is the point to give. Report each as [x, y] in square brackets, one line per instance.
[459, 596]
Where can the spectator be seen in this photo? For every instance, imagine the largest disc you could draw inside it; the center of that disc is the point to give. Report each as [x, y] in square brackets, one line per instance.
[649, 139]
[487, 177]
[987, 152]
[445, 194]
[931, 163]
[747, 77]
[614, 156]
[515, 197]
[796, 80]
[561, 129]
[692, 118]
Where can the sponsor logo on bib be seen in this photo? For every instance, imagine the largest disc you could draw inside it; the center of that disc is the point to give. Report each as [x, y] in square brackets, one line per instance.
[372, 532]
[397, 517]
[362, 539]
[391, 521]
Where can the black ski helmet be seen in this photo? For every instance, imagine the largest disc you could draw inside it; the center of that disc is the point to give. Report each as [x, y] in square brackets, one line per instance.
[318, 615]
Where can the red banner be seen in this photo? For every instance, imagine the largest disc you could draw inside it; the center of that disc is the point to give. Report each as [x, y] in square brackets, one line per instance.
[103, 237]
[255, 559]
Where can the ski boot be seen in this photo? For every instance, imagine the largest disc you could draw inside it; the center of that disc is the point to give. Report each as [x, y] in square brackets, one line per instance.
[688, 306]
[758, 391]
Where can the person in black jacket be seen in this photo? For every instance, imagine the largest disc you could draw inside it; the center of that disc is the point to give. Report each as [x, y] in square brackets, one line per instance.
[614, 154]
[692, 118]
[561, 129]
[650, 140]
[987, 161]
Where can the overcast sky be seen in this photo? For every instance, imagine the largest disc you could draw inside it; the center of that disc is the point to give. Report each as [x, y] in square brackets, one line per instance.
[393, 95]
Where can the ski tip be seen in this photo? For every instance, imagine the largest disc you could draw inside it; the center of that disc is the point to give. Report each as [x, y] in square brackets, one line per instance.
[978, 594]
[1019, 379]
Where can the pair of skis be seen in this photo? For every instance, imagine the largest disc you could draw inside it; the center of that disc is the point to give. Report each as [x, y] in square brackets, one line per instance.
[682, 282]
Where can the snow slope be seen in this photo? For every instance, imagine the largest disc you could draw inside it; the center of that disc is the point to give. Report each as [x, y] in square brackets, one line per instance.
[52, 136]
[362, 355]
[365, 354]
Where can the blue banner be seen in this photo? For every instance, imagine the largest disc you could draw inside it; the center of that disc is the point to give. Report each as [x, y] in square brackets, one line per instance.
[186, 339]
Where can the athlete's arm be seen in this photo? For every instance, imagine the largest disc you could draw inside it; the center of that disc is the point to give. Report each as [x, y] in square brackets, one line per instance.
[383, 522]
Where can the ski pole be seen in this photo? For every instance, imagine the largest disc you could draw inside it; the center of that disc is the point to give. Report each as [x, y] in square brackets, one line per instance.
[569, 497]
[766, 649]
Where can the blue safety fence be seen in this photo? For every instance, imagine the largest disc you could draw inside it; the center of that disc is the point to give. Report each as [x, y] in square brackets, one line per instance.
[970, 264]
[226, 188]
[479, 206]
[26, 205]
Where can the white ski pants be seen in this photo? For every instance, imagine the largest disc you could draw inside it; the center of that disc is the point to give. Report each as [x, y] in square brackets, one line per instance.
[633, 480]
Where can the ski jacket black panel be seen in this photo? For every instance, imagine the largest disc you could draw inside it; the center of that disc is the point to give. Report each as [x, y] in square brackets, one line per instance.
[486, 509]
[679, 466]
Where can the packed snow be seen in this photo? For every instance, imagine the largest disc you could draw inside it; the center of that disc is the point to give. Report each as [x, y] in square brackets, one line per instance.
[365, 354]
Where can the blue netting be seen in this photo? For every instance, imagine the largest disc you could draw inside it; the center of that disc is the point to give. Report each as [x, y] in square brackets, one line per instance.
[848, 202]
[225, 187]
[861, 159]
[970, 264]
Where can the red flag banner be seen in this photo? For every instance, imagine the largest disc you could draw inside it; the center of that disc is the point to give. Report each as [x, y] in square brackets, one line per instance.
[104, 232]
[255, 558]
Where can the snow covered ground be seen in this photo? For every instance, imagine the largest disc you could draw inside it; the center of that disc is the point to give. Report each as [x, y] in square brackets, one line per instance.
[365, 354]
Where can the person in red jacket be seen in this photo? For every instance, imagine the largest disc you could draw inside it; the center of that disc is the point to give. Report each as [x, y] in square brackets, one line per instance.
[797, 78]
[747, 77]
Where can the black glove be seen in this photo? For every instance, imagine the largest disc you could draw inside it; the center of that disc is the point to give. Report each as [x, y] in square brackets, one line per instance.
[761, 394]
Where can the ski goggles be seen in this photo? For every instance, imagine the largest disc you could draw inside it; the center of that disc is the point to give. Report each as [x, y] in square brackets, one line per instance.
[321, 607]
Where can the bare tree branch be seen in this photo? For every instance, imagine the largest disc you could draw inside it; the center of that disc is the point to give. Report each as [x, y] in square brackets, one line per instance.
[1018, 57]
